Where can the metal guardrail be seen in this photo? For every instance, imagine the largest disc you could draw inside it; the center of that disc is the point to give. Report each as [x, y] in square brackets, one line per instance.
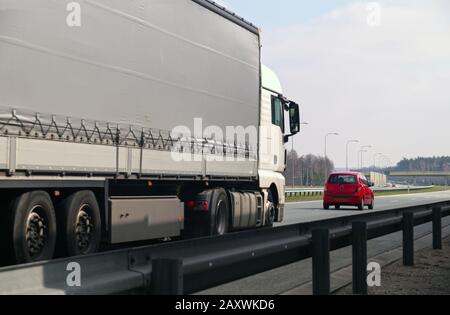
[311, 192]
[191, 266]
[419, 174]
[304, 192]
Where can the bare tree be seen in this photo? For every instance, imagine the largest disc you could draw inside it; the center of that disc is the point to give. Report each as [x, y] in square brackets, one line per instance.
[306, 170]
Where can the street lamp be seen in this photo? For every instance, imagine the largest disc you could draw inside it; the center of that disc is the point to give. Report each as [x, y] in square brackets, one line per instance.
[386, 161]
[375, 159]
[361, 152]
[346, 157]
[293, 160]
[326, 142]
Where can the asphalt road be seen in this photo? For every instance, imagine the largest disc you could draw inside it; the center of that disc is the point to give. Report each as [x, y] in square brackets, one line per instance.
[313, 210]
[284, 279]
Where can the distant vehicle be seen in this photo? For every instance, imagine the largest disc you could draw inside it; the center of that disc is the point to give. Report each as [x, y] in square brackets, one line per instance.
[348, 189]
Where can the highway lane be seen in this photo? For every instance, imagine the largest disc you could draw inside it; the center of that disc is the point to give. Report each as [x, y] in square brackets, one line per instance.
[313, 211]
[284, 279]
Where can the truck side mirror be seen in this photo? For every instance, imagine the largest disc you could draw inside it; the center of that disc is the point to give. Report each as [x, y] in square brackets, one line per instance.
[294, 118]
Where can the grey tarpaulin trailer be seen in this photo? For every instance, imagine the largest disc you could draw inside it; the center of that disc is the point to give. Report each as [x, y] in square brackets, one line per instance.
[150, 65]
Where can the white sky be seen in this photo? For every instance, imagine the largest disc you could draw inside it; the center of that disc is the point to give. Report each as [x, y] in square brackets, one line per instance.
[388, 86]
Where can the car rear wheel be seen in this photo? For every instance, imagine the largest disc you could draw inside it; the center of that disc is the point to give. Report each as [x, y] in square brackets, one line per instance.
[337, 207]
[361, 205]
[372, 205]
[326, 206]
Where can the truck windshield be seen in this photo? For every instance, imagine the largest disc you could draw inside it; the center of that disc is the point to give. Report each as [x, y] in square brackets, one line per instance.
[342, 179]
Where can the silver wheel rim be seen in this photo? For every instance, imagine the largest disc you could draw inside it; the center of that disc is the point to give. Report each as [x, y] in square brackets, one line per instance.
[270, 212]
[36, 231]
[84, 229]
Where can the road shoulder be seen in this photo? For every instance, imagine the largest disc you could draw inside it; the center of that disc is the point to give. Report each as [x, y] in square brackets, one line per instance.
[429, 276]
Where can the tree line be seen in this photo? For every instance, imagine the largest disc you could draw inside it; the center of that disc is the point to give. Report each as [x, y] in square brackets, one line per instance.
[307, 170]
[424, 164]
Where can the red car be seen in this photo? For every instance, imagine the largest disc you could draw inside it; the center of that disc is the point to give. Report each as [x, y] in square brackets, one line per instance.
[348, 189]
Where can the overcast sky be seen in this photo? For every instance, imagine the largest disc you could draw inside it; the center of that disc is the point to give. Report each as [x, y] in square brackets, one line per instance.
[386, 85]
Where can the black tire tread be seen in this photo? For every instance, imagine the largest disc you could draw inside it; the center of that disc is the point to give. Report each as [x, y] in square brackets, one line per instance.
[67, 213]
[18, 213]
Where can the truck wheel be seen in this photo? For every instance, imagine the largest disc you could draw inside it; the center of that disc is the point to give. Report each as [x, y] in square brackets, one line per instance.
[79, 224]
[271, 209]
[221, 213]
[33, 227]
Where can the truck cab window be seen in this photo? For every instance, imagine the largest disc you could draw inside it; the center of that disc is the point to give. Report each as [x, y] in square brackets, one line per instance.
[277, 113]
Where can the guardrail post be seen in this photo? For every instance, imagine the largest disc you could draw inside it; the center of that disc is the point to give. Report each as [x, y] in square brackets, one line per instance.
[167, 277]
[359, 241]
[321, 261]
[437, 228]
[408, 239]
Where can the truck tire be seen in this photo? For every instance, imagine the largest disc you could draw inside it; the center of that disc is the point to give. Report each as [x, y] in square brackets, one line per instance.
[79, 225]
[270, 220]
[220, 213]
[33, 227]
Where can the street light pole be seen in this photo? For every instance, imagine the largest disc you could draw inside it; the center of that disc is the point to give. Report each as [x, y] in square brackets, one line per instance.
[375, 160]
[346, 157]
[386, 161]
[326, 143]
[293, 164]
[293, 160]
[363, 150]
[360, 152]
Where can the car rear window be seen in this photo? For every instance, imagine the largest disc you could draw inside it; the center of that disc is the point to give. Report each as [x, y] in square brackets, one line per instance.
[343, 179]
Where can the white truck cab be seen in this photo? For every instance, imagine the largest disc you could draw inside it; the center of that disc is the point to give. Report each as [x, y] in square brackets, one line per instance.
[273, 136]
